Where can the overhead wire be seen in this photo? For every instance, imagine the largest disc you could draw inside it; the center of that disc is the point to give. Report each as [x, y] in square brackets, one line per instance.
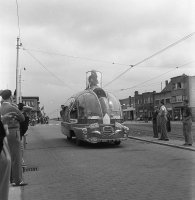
[149, 57]
[77, 57]
[158, 76]
[51, 73]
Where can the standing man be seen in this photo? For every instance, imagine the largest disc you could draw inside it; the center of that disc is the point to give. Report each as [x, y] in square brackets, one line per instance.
[154, 122]
[14, 136]
[187, 124]
[163, 122]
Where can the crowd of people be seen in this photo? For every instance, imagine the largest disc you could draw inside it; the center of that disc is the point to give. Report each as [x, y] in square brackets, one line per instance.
[161, 120]
[13, 124]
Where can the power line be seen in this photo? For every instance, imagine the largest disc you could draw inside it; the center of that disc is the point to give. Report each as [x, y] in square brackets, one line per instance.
[153, 55]
[77, 57]
[51, 73]
[157, 76]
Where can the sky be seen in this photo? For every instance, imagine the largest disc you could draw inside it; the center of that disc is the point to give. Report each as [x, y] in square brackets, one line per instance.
[62, 40]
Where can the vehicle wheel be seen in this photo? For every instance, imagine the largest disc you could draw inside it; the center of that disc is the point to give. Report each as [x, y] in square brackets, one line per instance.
[78, 142]
[69, 137]
[117, 142]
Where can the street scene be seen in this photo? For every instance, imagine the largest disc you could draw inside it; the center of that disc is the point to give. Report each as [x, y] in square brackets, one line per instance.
[97, 100]
[136, 169]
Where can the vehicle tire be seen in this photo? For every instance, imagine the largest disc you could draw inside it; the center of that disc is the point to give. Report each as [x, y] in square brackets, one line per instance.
[117, 142]
[69, 137]
[78, 142]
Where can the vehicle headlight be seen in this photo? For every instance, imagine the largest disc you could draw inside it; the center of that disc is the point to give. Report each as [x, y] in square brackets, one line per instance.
[84, 130]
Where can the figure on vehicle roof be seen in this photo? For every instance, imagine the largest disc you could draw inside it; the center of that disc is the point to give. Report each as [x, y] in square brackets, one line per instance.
[93, 81]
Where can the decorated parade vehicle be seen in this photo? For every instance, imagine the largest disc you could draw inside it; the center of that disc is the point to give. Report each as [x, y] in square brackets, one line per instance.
[93, 115]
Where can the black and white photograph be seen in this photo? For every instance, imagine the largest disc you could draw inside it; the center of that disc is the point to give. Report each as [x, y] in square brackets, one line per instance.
[97, 100]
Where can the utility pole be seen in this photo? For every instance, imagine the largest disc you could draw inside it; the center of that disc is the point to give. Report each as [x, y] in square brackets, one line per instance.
[17, 68]
[20, 87]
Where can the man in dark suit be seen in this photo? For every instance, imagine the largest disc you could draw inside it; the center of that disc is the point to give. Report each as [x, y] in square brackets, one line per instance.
[187, 124]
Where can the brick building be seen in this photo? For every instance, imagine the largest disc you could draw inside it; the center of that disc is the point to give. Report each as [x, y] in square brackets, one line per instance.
[33, 102]
[175, 92]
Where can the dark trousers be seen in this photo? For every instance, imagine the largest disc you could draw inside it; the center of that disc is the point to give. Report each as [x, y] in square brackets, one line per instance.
[155, 129]
[187, 127]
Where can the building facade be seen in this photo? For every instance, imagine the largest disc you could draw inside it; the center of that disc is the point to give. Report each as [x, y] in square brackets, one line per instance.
[33, 102]
[144, 104]
[175, 92]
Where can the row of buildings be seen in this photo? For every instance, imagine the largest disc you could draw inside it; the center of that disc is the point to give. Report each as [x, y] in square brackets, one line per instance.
[141, 106]
[33, 101]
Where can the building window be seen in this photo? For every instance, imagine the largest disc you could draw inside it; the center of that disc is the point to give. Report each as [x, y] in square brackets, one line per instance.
[174, 86]
[157, 102]
[179, 98]
[179, 85]
[167, 101]
[173, 99]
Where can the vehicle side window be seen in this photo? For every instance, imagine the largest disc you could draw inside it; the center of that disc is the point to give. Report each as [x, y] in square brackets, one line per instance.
[73, 111]
[69, 103]
[114, 105]
[81, 107]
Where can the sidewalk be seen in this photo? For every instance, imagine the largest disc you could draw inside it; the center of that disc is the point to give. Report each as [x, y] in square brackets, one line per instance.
[172, 143]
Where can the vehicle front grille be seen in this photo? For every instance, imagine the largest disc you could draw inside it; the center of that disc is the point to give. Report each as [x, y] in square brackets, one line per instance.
[107, 129]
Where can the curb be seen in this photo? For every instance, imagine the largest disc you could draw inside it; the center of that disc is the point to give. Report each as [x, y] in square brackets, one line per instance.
[14, 193]
[161, 143]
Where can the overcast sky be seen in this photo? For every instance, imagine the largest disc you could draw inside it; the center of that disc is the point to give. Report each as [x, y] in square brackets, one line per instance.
[62, 39]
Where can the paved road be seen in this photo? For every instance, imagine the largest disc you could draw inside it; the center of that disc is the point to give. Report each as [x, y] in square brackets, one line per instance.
[135, 170]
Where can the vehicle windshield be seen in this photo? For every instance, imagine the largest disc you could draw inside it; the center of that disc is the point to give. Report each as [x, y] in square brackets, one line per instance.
[89, 107]
[114, 105]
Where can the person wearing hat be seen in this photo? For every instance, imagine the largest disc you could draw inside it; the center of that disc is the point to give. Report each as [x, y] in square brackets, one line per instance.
[14, 136]
[163, 122]
[187, 124]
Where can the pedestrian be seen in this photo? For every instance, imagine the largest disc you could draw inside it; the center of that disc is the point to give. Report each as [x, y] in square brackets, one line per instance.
[187, 124]
[163, 122]
[168, 122]
[5, 160]
[14, 137]
[155, 122]
[23, 130]
[25, 123]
